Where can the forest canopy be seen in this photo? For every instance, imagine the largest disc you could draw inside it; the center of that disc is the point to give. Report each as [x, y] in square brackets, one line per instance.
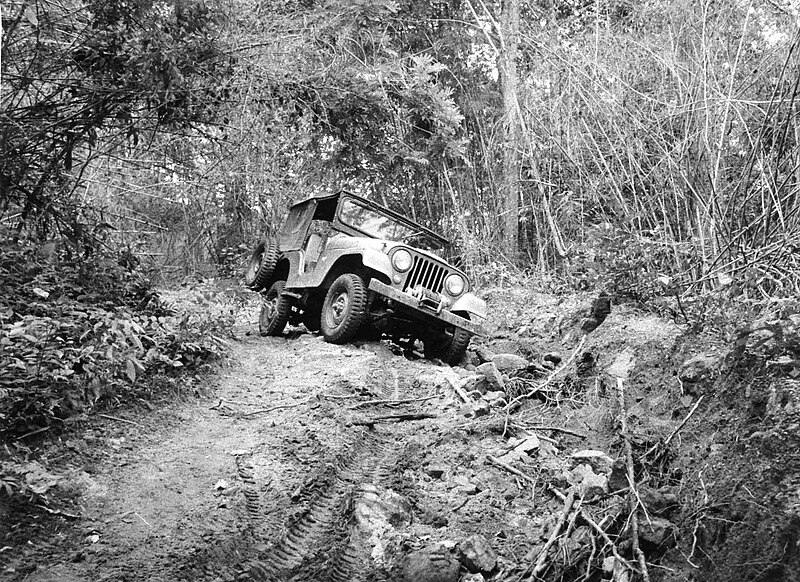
[648, 145]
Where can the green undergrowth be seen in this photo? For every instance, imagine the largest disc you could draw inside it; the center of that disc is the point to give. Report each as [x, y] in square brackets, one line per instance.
[80, 334]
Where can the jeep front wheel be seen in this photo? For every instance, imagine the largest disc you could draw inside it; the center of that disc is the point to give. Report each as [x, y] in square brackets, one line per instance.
[261, 264]
[344, 309]
[275, 310]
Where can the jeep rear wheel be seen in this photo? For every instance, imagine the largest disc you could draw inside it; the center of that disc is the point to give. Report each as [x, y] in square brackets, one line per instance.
[344, 309]
[261, 265]
[275, 310]
[450, 347]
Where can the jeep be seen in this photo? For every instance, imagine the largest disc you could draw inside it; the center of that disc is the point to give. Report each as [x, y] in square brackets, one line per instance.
[351, 268]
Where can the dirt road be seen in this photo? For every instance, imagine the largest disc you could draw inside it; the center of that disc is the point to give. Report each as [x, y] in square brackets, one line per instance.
[307, 461]
[296, 468]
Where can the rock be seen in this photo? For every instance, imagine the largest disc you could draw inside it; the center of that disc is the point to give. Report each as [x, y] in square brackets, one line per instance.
[656, 533]
[473, 578]
[597, 460]
[375, 509]
[589, 483]
[619, 571]
[496, 398]
[474, 382]
[601, 307]
[435, 471]
[700, 371]
[552, 357]
[525, 445]
[594, 485]
[589, 324]
[492, 374]
[619, 476]
[658, 502]
[477, 555]
[430, 564]
[481, 408]
[510, 363]
[484, 354]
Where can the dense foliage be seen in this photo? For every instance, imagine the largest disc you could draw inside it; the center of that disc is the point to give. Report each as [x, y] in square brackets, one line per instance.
[76, 333]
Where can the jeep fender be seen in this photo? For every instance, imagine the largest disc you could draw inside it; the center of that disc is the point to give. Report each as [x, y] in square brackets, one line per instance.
[471, 304]
[377, 261]
[332, 263]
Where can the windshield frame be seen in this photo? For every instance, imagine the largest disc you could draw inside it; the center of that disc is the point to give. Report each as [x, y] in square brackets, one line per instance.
[413, 227]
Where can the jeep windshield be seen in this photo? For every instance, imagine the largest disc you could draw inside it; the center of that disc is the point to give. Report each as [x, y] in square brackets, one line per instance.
[377, 224]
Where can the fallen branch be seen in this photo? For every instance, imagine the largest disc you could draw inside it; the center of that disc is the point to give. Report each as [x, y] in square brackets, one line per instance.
[565, 511]
[678, 429]
[393, 418]
[33, 432]
[279, 407]
[389, 402]
[558, 429]
[460, 391]
[595, 526]
[109, 417]
[510, 469]
[541, 387]
[633, 494]
[340, 396]
[219, 405]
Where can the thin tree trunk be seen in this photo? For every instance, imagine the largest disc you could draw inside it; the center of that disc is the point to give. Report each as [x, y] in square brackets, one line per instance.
[509, 24]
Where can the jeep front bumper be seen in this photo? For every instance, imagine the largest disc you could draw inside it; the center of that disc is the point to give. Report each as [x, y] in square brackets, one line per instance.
[422, 305]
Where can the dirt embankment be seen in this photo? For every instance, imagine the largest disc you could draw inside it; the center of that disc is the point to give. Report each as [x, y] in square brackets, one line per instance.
[309, 461]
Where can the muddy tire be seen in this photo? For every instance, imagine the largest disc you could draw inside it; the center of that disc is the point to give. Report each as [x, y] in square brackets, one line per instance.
[261, 265]
[275, 310]
[344, 309]
[451, 347]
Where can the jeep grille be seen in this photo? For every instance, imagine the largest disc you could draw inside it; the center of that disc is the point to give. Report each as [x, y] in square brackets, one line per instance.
[427, 274]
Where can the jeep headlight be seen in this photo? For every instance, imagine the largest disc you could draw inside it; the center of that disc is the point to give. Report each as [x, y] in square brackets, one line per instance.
[402, 260]
[454, 285]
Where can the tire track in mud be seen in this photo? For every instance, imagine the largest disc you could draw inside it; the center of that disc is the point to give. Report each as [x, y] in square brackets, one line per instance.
[318, 543]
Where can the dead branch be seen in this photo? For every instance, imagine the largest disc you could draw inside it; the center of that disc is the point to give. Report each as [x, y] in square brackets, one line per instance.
[679, 427]
[109, 417]
[565, 511]
[389, 402]
[460, 391]
[558, 429]
[510, 469]
[393, 418]
[279, 407]
[541, 387]
[633, 494]
[595, 526]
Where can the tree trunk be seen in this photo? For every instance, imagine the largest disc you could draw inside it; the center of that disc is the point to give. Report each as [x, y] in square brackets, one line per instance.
[509, 25]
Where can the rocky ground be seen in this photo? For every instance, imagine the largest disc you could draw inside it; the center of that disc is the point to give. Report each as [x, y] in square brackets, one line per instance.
[580, 440]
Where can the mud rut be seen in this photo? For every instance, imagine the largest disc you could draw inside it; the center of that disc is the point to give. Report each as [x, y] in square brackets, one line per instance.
[316, 541]
[290, 531]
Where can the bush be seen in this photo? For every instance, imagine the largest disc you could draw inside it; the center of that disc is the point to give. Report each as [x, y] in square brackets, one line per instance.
[75, 332]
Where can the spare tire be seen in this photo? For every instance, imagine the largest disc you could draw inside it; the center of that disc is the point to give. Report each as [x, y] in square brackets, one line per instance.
[261, 264]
